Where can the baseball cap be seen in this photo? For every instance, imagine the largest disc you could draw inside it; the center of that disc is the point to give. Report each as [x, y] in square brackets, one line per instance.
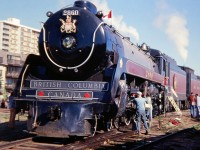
[139, 93]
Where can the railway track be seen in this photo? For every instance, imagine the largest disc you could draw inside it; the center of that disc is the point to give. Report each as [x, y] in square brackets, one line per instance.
[130, 140]
[112, 140]
[184, 139]
[28, 144]
[123, 138]
[179, 140]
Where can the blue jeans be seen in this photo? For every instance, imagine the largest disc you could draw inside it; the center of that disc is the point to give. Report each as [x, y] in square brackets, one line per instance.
[198, 111]
[193, 110]
[141, 115]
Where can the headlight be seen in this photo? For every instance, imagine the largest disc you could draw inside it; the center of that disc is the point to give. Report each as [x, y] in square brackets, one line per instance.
[69, 41]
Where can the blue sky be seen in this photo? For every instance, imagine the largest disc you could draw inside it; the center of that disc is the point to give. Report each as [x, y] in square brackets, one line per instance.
[172, 26]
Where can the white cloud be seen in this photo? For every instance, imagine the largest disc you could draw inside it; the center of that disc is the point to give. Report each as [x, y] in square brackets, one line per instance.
[179, 34]
[174, 25]
[117, 21]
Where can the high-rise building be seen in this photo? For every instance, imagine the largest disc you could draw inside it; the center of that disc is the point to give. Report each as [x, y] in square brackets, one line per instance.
[17, 38]
[16, 42]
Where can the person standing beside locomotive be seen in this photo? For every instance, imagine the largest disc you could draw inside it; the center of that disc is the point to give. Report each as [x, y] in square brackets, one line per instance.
[11, 123]
[149, 109]
[198, 106]
[192, 101]
[1, 98]
[140, 112]
[159, 102]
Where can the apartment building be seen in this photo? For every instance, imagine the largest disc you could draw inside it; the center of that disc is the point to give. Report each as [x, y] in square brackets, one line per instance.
[16, 42]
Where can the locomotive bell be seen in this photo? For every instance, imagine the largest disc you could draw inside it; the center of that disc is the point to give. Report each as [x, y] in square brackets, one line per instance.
[144, 47]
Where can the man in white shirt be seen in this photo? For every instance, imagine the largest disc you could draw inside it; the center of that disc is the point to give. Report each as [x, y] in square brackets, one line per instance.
[1, 98]
[198, 105]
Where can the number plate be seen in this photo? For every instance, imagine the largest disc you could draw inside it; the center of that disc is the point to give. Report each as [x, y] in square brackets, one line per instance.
[70, 12]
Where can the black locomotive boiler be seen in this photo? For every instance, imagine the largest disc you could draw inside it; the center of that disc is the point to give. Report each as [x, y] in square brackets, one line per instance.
[83, 77]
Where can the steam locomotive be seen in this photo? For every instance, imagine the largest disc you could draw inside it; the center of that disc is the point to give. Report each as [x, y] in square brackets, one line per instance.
[86, 71]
